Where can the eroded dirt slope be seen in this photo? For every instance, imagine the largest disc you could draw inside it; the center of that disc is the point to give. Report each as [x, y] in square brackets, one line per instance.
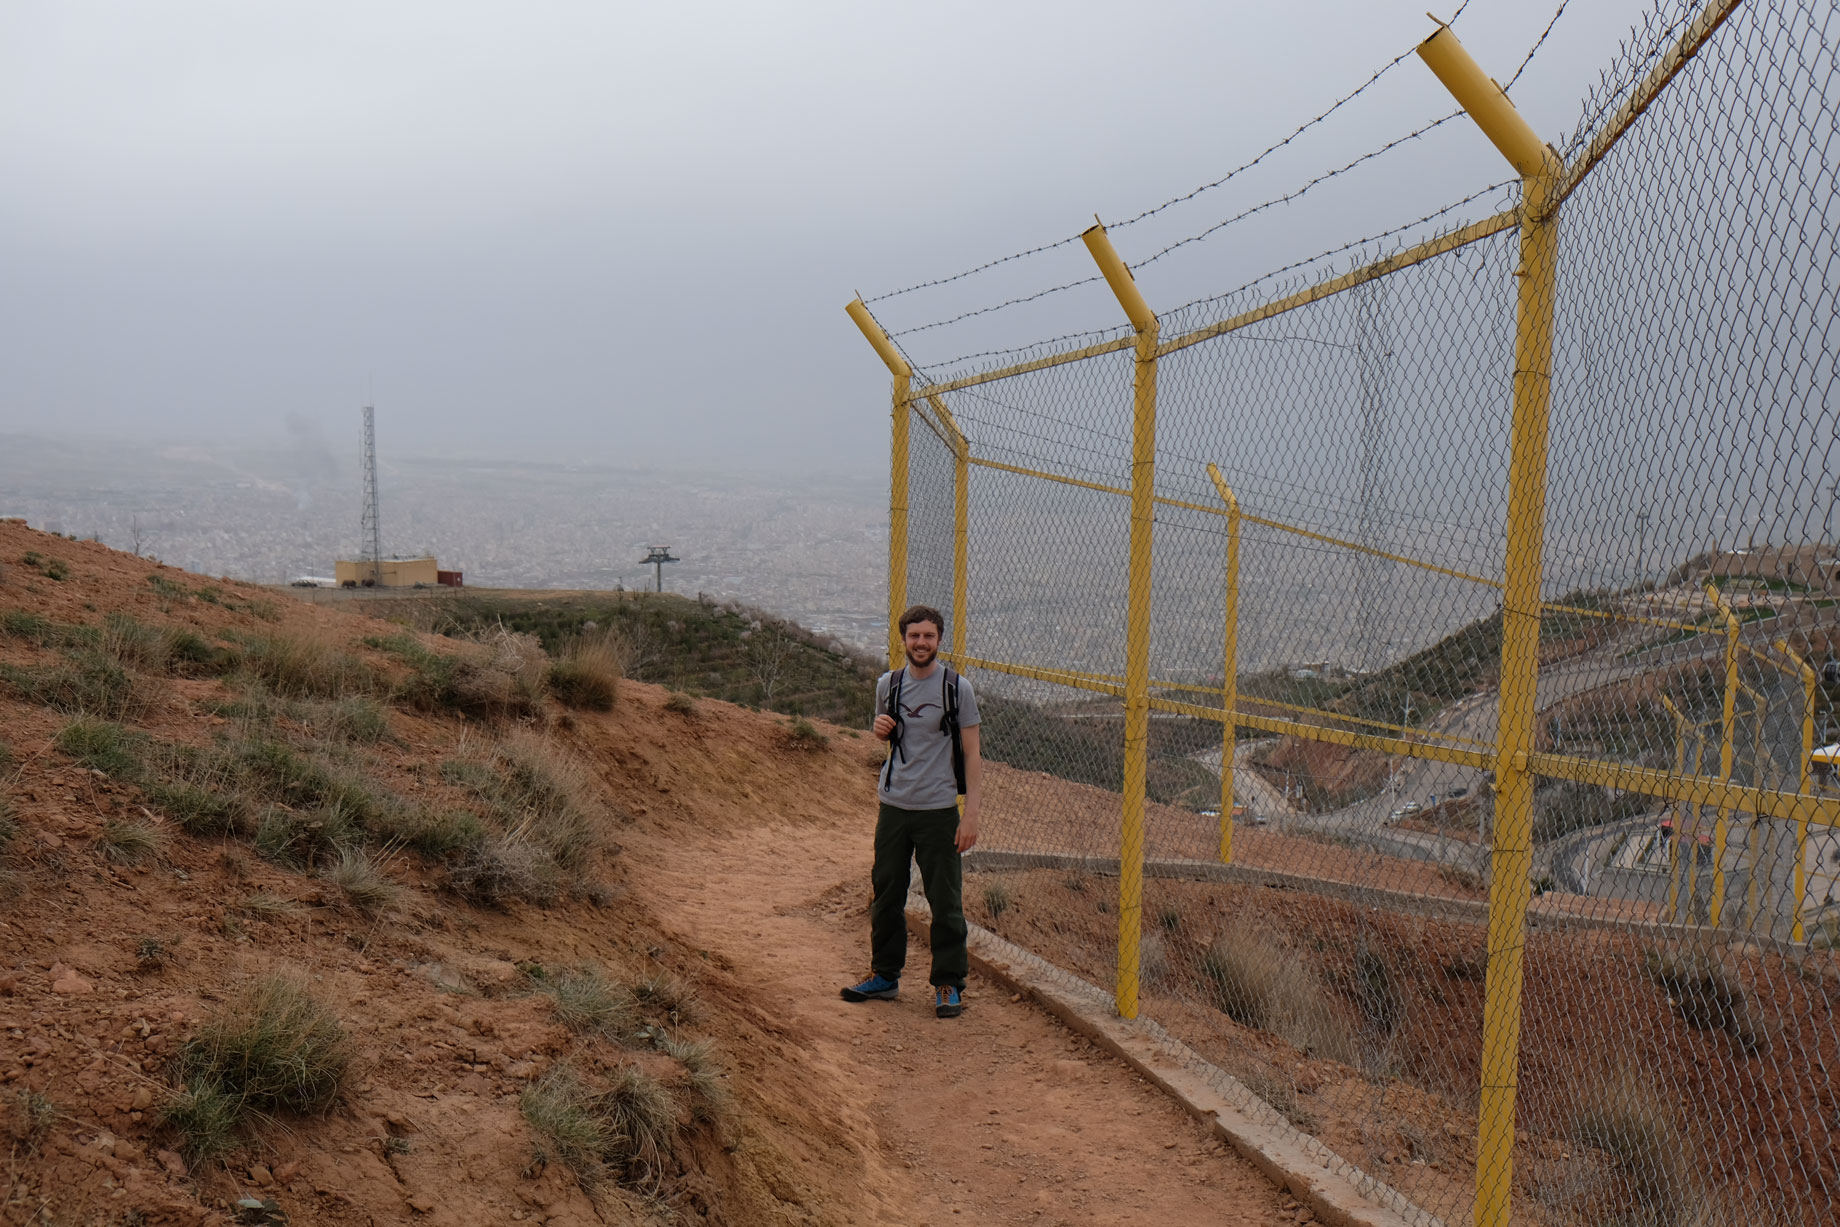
[728, 858]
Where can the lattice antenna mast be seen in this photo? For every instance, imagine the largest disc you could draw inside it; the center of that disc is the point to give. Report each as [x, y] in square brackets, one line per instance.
[370, 542]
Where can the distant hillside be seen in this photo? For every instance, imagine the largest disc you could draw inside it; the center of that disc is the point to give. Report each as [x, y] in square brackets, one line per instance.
[741, 655]
[715, 650]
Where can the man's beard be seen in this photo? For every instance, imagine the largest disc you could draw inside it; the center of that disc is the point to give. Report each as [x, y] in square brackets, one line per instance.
[921, 656]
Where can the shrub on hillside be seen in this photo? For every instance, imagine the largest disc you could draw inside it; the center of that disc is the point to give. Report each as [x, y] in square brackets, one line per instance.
[489, 680]
[586, 672]
[627, 1128]
[162, 649]
[306, 666]
[503, 868]
[103, 746]
[87, 684]
[804, 735]
[539, 791]
[1709, 994]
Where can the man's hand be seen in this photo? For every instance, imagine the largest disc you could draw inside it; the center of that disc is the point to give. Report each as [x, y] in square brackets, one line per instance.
[884, 725]
[967, 832]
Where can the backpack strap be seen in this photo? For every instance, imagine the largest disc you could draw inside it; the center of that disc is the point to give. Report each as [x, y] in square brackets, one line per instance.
[894, 737]
[950, 726]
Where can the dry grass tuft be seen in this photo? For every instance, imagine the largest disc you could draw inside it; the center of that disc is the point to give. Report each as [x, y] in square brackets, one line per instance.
[1632, 1125]
[102, 746]
[541, 800]
[130, 843]
[28, 1118]
[498, 675]
[363, 878]
[87, 684]
[560, 1108]
[663, 993]
[503, 868]
[626, 1129]
[588, 1002]
[162, 649]
[355, 719]
[681, 703]
[303, 840]
[705, 1081]
[272, 1048]
[1256, 981]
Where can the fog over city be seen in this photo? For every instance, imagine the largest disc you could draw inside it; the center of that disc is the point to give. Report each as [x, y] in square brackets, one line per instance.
[616, 240]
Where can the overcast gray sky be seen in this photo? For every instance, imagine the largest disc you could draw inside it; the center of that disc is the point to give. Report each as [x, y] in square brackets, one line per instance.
[626, 232]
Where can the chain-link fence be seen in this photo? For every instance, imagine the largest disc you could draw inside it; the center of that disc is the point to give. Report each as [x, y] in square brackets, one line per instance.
[1412, 688]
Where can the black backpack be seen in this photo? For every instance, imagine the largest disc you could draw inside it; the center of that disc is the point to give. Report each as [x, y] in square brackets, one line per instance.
[948, 724]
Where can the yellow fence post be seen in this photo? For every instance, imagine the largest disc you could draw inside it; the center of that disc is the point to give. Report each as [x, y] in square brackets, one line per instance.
[1728, 733]
[1805, 785]
[1682, 727]
[1541, 174]
[897, 473]
[1229, 686]
[1137, 615]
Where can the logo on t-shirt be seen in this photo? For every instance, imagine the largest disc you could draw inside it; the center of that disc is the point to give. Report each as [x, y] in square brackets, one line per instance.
[914, 712]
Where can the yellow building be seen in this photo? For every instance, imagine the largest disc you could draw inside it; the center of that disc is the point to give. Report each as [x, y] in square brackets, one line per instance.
[389, 573]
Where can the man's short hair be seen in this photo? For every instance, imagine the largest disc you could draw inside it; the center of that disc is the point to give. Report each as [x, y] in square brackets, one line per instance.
[922, 613]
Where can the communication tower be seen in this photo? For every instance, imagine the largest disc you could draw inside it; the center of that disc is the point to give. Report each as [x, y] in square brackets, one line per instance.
[370, 539]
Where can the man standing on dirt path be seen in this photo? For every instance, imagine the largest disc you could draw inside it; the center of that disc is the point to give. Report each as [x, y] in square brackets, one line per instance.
[928, 716]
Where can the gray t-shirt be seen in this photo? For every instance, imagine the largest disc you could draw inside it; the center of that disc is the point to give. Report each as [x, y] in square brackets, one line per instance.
[922, 777]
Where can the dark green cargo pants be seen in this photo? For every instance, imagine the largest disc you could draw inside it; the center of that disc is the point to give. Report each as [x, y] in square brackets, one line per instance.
[928, 836]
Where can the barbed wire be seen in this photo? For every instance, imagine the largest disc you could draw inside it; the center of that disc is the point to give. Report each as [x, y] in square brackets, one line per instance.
[1337, 105]
[1537, 44]
[1195, 302]
[1287, 198]
[999, 306]
[1347, 247]
[950, 363]
[1593, 115]
[1382, 236]
[1290, 196]
[1019, 255]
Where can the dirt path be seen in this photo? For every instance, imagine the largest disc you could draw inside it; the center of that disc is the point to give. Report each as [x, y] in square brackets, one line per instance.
[1001, 1116]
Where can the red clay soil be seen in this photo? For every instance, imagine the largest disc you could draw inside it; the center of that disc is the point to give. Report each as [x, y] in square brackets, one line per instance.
[732, 861]
[1753, 1105]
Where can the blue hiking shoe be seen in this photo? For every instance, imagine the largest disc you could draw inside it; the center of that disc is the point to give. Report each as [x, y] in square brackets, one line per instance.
[876, 987]
[948, 1002]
